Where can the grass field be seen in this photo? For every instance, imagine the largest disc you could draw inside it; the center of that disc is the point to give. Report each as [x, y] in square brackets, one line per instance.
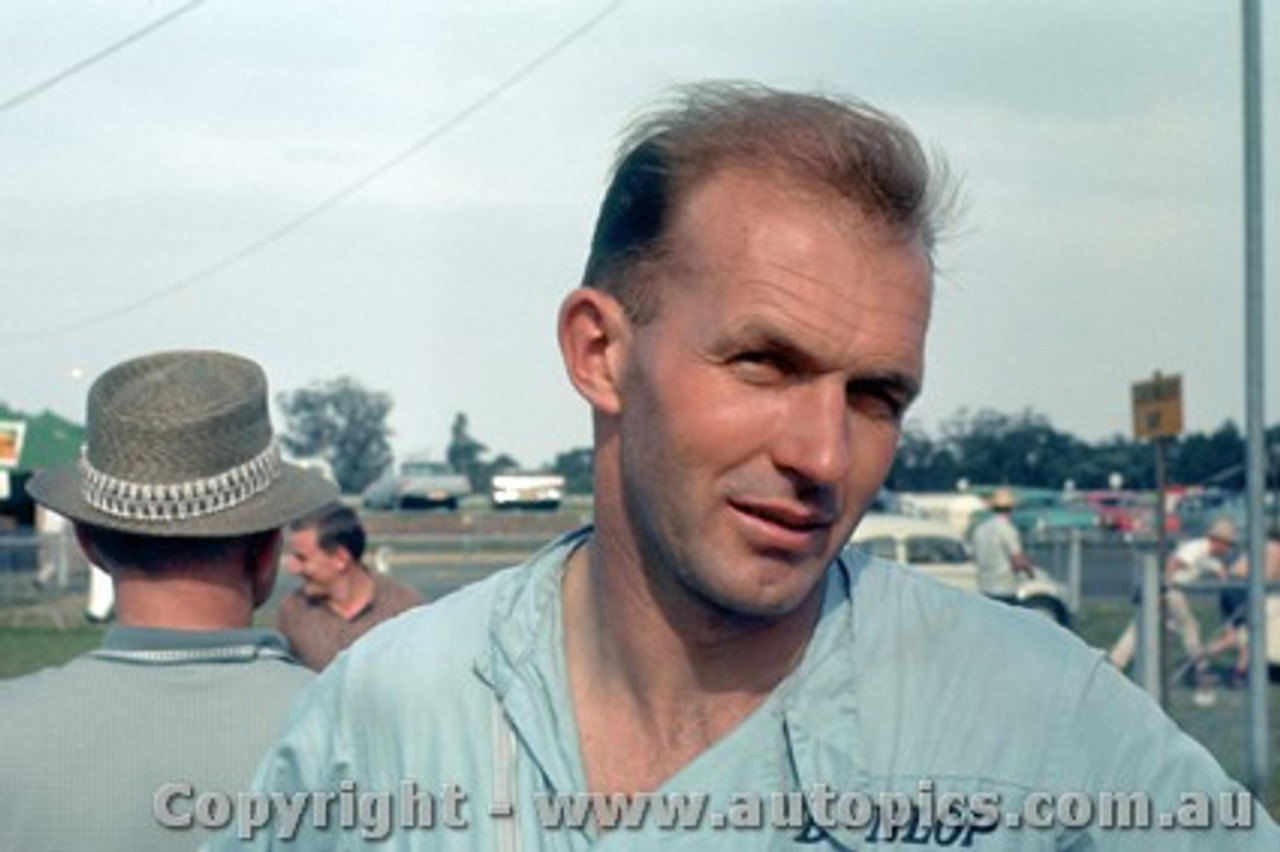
[26, 649]
[31, 642]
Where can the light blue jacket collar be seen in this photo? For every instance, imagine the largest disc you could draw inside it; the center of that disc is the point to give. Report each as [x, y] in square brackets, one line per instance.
[526, 669]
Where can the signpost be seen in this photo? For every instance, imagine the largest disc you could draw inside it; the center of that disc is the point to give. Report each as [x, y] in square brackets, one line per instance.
[11, 435]
[1157, 416]
[1157, 407]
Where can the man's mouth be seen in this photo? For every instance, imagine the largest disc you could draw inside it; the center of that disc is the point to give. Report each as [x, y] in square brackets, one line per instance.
[784, 525]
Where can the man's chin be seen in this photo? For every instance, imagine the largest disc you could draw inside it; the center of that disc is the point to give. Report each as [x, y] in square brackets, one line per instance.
[314, 596]
[768, 604]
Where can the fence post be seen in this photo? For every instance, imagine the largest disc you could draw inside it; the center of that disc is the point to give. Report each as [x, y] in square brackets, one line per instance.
[1148, 659]
[64, 559]
[1074, 569]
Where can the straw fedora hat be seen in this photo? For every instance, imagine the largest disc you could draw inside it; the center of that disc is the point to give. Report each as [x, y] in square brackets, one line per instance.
[180, 444]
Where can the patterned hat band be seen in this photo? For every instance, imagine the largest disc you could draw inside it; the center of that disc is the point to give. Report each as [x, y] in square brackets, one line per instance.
[145, 501]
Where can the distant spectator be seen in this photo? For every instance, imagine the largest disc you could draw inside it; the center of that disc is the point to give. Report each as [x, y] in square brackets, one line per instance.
[339, 599]
[1233, 603]
[997, 550]
[52, 528]
[180, 494]
[1195, 558]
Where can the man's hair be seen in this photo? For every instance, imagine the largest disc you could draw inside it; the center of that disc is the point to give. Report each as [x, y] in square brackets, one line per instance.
[818, 142]
[336, 525]
[154, 554]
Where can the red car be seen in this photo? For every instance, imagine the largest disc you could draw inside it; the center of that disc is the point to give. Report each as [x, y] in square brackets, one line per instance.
[1128, 513]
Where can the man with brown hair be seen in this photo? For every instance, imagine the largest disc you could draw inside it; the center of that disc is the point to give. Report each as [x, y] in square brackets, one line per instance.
[180, 494]
[339, 599]
[749, 335]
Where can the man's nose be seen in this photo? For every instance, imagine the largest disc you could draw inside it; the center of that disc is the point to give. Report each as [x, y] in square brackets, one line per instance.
[816, 439]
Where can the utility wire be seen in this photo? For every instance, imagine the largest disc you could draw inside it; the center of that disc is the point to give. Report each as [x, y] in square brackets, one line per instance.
[299, 221]
[93, 59]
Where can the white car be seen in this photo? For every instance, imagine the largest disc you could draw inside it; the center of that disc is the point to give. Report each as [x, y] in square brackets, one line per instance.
[936, 549]
[527, 490]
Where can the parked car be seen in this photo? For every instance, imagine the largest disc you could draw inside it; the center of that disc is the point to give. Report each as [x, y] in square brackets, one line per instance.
[956, 508]
[1129, 514]
[417, 483]
[527, 490]
[936, 549]
[1041, 512]
[884, 501]
[1120, 512]
[1199, 508]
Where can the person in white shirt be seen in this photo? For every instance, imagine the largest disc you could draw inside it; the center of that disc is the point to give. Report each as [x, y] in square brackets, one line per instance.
[997, 550]
[1195, 558]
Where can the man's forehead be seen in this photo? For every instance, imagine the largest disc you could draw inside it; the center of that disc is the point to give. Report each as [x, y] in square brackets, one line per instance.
[738, 217]
[303, 537]
[821, 307]
[723, 191]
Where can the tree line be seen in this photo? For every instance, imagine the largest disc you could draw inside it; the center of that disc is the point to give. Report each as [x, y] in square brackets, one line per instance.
[1025, 449]
[345, 424]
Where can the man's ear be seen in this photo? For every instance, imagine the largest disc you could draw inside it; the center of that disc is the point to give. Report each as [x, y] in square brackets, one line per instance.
[594, 336]
[261, 562]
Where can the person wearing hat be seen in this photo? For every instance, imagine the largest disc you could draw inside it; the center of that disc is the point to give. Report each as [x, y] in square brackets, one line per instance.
[1193, 559]
[180, 494]
[997, 550]
[1233, 603]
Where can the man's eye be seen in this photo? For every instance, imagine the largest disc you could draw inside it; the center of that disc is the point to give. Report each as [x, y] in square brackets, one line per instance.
[881, 403]
[758, 366]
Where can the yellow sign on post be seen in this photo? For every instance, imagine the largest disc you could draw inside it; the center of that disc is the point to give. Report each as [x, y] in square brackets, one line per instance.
[1157, 407]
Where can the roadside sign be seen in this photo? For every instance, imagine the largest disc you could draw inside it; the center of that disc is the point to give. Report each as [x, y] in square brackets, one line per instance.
[11, 435]
[1157, 407]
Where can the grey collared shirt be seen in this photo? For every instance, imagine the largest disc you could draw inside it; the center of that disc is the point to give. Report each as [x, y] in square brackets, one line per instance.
[87, 746]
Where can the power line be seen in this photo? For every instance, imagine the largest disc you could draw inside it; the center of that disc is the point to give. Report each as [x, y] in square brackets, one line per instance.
[304, 218]
[94, 58]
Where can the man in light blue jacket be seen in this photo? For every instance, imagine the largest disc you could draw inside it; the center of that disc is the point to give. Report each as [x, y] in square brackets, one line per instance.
[708, 666]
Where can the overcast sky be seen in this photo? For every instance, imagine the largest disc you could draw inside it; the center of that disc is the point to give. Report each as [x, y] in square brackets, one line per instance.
[1099, 142]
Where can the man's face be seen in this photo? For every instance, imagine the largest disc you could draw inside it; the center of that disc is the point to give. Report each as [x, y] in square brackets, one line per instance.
[317, 569]
[761, 408]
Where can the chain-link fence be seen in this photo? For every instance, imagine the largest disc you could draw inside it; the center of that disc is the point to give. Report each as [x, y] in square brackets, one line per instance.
[39, 572]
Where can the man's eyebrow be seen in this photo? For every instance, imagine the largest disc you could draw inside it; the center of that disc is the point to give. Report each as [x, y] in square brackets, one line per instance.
[755, 332]
[906, 385]
[762, 333]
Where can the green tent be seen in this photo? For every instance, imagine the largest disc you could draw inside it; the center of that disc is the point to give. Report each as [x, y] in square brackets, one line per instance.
[49, 439]
[43, 440]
